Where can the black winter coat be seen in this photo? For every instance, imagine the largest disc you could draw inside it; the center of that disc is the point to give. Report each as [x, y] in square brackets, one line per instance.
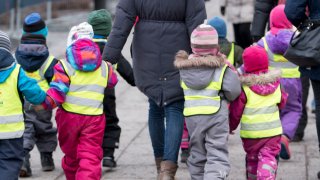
[296, 13]
[163, 29]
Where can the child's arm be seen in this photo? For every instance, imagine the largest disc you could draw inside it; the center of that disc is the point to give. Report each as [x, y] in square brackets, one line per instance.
[284, 97]
[236, 111]
[59, 87]
[30, 89]
[112, 77]
[125, 70]
[50, 71]
[231, 86]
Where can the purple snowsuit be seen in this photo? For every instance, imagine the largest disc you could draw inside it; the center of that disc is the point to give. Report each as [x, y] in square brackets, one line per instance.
[290, 115]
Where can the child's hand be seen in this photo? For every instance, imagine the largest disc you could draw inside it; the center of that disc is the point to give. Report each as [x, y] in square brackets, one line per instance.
[38, 107]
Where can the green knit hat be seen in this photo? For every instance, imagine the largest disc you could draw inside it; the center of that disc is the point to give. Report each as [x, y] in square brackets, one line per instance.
[101, 22]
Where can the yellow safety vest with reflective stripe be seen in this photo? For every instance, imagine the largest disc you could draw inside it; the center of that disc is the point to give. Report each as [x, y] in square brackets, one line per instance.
[289, 70]
[86, 90]
[231, 55]
[39, 74]
[261, 117]
[11, 114]
[205, 101]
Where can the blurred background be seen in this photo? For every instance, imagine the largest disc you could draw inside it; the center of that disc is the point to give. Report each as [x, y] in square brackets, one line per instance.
[12, 12]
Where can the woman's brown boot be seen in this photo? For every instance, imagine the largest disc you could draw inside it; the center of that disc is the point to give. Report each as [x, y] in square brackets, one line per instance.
[168, 170]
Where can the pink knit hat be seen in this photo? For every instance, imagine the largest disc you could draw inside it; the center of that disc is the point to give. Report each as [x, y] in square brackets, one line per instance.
[255, 59]
[204, 40]
[278, 19]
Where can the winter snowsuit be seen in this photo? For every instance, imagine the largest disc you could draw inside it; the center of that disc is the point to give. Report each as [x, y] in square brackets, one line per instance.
[11, 148]
[112, 131]
[291, 114]
[80, 133]
[208, 133]
[261, 153]
[32, 56]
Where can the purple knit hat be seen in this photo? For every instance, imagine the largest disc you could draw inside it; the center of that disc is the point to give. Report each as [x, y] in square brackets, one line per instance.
[204, 40]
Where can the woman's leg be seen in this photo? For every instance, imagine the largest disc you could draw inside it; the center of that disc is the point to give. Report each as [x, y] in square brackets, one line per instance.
[316, 91]
[174, 128]
[156, 128]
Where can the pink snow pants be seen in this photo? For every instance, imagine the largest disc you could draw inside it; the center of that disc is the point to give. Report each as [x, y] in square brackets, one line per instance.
[261, 162]
[80, 138]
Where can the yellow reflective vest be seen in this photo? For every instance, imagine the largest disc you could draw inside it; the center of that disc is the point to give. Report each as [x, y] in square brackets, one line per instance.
[11, 114]
[205, 101]
[39, 74]
[231, 55]
[86, 90]
[261, 117]
[289, 70]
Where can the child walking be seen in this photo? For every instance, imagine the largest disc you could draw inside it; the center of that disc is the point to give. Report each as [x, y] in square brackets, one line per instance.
[15, 85]
[208, 85]
[257, 109]
[101, 22]
[230, 49]
[34, 57]
[276, 42]
[78, 89]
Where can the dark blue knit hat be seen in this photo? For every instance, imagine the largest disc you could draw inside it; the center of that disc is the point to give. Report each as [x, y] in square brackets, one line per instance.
[220, 25]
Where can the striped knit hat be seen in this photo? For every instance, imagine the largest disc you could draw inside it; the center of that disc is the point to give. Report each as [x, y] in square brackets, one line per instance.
[204, 40]
[5, 41]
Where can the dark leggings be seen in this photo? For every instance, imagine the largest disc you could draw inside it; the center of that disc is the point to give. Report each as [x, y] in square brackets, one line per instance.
[242, 34]
[316, 90]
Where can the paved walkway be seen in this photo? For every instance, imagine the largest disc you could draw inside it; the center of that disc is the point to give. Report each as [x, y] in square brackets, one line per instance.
[135, 158]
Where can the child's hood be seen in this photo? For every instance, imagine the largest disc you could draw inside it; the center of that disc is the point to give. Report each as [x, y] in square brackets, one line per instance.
[6, 65]
[264, 83]
[31, 56]
[84, 55]
[197, 72]
[278, 43]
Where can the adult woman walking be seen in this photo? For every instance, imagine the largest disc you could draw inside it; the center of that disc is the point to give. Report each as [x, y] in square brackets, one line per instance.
[296, 13]
[164, 27]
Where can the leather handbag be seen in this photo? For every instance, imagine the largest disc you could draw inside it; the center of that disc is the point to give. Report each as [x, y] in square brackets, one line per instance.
[304, 47]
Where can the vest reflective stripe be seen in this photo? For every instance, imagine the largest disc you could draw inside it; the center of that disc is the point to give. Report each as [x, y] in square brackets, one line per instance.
[205, 92]
[289, 70]
[205, 101]
[264, 110]
[39, 74]
[201, 102]
[11, 115]
[11, 119]
[86, 91]
[84, 102]
[260, 126]
[92, 87]
[261, 116]
[231, 55]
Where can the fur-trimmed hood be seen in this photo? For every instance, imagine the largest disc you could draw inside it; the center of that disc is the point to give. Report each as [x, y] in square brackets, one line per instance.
[197, 71]
[262, 84]
[184, 61]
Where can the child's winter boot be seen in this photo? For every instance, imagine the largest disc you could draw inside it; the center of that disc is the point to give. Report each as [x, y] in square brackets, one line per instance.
[25, 170]
[47, 161]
